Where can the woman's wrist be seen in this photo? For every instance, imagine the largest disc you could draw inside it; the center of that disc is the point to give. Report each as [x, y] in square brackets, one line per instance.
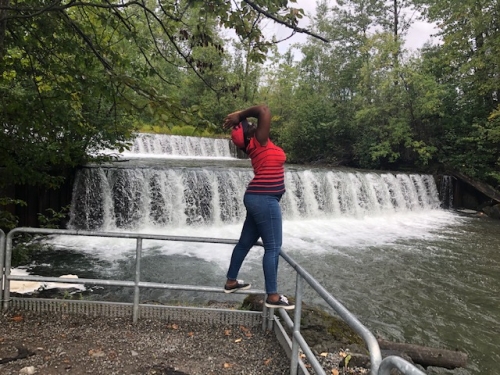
[241, 116]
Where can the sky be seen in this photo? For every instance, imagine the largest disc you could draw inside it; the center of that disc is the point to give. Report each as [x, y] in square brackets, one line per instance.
[418, 35]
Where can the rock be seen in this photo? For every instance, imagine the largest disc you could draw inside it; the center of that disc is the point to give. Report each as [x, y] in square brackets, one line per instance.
[322, 331]
[492, 211]
[355, 360]
[253, 302]
[325, 332]
[27, 370]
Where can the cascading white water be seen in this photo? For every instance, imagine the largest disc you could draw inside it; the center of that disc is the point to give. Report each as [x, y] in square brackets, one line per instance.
[135, 198]
[179, 146]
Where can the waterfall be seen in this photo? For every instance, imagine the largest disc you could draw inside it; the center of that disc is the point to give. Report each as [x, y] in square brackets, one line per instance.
[446, 191]
[175, 195]
[180, 146]
[109, 198]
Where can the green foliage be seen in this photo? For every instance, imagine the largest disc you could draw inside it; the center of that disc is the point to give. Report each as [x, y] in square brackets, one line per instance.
[316, 134]
[53, 219]
[22, 249]
[155, 129]
[78, 77]
[466, 64]
[189, 131]
[8, 220]
[476, 154]
[59, 106]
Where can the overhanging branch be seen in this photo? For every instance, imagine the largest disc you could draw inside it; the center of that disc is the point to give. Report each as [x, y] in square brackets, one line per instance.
[281, 22]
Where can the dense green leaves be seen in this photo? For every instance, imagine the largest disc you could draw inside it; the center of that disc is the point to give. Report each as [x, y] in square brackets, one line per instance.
[76, 76]
[80, 77]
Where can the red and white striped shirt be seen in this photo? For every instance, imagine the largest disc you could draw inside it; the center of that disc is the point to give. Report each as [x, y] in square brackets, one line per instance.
[268, 165]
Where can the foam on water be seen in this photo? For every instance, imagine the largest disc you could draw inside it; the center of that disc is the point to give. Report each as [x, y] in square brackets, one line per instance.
[310, 236]
[26, 287]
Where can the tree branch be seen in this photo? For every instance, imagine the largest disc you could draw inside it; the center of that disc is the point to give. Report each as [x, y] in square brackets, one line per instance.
[87, 41]
[281, 22]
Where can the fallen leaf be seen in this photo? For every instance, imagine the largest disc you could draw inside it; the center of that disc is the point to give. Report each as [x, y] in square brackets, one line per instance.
[347, 360]
[324, 354]
[335, 371]
[244, 329]
[175, 326]
[227, 365]
[191, 334]
[227, 332]
[96, 353]
[112, 355]
[248, 334]
[302, 355]
[267, 361]
[238, 340]
[17, 318]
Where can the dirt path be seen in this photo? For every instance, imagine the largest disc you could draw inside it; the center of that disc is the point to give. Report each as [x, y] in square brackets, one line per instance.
[76, 344]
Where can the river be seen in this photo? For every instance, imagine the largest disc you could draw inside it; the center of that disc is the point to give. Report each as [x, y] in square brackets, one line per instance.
[381, 243]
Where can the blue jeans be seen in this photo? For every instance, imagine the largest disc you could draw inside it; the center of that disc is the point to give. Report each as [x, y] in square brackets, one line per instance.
[264, 221]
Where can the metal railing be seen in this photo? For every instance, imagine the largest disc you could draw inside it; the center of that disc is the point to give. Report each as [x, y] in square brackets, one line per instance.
[269, 320]
[2, 258]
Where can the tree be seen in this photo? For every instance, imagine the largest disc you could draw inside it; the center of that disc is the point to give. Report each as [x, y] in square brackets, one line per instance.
[469, 57]
[83, 71]
[77, 76]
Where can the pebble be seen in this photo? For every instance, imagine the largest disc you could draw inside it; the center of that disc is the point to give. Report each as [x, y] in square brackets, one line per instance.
[27, 370]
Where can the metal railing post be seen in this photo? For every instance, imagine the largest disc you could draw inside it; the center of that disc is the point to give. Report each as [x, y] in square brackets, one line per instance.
[265, 315]
[346, 315]
[138, 254]
[2, 257]
[269, 317]
[7, 263]
[294, 363]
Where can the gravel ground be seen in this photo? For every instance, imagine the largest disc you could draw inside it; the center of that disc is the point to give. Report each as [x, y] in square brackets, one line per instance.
[79, 344]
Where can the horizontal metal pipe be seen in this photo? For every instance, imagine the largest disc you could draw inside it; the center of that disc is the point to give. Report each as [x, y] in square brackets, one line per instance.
[130, 235]
[142, 284]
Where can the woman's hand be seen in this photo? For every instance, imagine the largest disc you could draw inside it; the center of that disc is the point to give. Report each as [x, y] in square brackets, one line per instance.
[232, 120]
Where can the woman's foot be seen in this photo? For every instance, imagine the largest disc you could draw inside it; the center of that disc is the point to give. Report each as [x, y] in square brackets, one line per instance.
[275, 301]
[234, 285]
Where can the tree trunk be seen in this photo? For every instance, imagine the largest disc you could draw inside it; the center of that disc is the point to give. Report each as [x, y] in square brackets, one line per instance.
[3, 25]
[426, 356]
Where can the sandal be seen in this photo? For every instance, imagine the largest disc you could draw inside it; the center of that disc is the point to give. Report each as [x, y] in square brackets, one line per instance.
[240, 285]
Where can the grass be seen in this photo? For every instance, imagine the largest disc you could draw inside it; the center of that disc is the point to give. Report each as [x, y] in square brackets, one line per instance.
[186, 130]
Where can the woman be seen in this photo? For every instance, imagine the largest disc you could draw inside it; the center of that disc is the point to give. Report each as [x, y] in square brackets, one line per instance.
[263, 219]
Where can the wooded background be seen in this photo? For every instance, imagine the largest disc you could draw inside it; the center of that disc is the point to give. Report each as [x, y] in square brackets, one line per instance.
[77, 77]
